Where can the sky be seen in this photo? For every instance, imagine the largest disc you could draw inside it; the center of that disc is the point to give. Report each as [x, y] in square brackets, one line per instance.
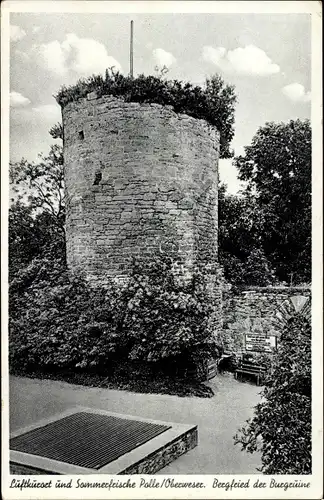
[267, 57]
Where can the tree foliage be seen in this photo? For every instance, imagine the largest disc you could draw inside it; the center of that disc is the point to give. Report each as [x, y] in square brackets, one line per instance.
[56, 131]
[172, 319]
[241, 226]
[32, 236]
[281, 426]
[277, 170]
[214, 102]
[37, 210]
[40, 185]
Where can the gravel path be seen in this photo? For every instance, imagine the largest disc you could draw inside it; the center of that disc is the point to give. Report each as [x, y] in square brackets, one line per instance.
[218, 418]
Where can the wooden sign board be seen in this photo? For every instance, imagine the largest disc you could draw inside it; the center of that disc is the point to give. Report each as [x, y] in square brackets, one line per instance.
[211, 369]
[258, 342]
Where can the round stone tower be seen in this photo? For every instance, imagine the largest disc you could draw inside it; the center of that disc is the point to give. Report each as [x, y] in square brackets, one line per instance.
[140, 180]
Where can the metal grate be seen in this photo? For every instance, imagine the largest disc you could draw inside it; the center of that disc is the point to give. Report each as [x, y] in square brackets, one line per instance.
[86, 439]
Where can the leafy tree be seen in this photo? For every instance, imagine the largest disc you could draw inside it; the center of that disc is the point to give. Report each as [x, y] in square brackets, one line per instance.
[40, 185]
[241, 226]
[240, 223]
[37, 210]
[281, 426]
[277, 169]
[32, 235]
[257, 269]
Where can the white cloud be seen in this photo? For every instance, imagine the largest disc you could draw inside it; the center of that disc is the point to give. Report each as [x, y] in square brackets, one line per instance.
[52, 57]
[296, 92]
[249, 60]
[36, 29]
[16, 33]
[163, 58]
[81, 56]
[17, 100]
[51, 112]
[212, 55]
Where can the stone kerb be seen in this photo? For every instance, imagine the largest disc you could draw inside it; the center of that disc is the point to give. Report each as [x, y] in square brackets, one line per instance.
[140, 180]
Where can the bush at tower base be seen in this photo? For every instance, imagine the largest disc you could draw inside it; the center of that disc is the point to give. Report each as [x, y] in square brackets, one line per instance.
[59, 322]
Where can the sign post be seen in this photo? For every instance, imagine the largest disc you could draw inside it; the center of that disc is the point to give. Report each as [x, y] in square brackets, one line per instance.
[257, 342]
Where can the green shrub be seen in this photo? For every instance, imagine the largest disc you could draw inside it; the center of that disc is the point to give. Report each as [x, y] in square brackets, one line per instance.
[214, 102]
[281, 426]
[166, 319]
[59, 321]
[56, 320]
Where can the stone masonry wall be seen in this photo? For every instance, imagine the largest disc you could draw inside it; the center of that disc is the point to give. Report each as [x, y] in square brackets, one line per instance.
[260, 310]
[140, 179]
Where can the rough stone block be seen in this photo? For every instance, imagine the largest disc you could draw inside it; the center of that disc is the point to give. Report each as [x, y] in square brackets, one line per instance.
[156, 165]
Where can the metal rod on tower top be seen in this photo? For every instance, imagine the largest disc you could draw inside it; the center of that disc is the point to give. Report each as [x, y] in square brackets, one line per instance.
[131, 61]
